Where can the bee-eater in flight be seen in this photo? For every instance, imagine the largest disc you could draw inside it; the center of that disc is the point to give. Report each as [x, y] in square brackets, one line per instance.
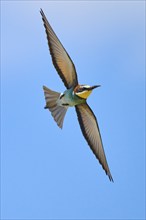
[75, 95]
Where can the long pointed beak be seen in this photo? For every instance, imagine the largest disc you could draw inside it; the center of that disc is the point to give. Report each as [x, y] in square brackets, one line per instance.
[94, 87]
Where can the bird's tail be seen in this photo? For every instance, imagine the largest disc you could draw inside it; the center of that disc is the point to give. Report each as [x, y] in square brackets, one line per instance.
[58, 112]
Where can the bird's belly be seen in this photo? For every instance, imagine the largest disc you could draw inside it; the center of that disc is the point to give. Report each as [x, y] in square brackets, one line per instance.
[68, 100]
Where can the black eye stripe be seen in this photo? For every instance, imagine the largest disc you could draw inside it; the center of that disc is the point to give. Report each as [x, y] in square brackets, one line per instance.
[80, 90]
[83, 89]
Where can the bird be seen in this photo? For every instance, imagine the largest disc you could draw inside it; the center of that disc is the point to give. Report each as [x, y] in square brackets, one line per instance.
[75, 95]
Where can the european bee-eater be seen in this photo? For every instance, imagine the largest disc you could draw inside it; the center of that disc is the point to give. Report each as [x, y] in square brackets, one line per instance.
[75, 95]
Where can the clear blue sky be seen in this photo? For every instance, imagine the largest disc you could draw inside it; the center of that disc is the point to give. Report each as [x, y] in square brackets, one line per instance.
[49, 173]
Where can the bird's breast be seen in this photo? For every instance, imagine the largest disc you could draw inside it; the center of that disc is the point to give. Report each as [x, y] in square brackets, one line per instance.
[68, 98]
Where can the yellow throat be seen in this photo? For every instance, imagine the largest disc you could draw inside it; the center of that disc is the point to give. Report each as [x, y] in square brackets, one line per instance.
[84, 94]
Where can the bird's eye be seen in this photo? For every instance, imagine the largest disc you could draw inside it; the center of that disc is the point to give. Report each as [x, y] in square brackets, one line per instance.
[80, 90]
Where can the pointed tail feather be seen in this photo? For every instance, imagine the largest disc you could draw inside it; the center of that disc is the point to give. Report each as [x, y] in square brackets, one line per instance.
[58, 112]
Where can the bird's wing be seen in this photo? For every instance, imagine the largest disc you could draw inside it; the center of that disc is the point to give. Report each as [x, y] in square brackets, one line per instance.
[90, 130]
[61, 60]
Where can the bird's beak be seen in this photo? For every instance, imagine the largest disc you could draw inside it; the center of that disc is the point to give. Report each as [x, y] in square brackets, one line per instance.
[94, 87]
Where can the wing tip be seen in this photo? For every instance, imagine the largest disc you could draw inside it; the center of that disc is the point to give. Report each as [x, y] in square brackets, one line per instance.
[42, 14]
[110, 177]
[41, 11]
[106, 169]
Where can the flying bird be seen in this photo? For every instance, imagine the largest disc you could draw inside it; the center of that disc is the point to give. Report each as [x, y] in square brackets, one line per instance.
[75, 95]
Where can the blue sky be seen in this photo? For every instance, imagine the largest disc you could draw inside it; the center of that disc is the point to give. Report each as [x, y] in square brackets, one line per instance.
[49, 173]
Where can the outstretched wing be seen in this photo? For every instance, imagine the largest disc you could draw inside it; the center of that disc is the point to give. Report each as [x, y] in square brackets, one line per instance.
[90, 130]
[61, 60]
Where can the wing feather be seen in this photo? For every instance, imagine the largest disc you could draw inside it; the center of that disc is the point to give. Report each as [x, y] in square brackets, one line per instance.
[60, 58]
[90, 130]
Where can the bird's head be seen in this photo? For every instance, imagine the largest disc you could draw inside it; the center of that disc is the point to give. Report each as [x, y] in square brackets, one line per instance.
[83, 91]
